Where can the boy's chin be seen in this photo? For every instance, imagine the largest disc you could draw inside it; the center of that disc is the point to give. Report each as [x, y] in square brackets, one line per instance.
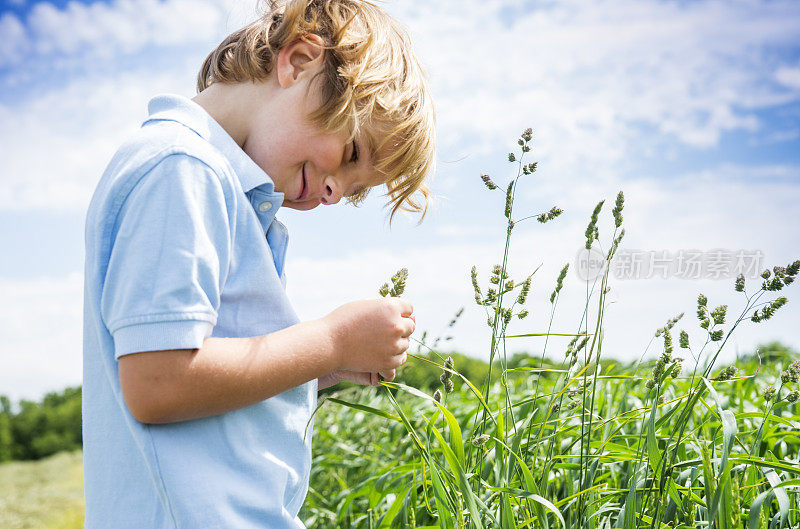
[301, 206]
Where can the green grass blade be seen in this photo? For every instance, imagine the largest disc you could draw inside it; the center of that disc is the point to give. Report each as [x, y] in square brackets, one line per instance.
[457, 442]
[391, 513]
[363, 407]
[458, 471]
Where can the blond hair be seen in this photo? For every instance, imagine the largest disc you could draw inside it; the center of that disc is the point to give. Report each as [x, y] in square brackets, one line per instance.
[371, 82]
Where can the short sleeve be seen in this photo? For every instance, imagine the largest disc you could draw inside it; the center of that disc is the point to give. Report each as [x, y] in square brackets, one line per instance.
[169, 258]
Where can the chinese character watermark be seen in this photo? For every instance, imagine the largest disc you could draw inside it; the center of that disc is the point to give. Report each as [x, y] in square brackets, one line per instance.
[718, 263]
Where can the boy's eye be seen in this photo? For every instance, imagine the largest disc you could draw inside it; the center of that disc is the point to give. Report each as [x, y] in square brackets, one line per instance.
[354, 157]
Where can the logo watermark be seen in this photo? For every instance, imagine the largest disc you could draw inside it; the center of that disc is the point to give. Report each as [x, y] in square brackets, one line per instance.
[718, 263]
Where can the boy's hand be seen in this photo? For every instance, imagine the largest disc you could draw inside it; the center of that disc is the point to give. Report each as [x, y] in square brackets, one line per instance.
[371, 336]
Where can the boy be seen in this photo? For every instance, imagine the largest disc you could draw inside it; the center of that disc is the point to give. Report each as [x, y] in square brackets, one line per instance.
[199, 381]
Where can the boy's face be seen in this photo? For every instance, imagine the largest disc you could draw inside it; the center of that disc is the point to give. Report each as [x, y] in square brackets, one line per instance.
[308, 166]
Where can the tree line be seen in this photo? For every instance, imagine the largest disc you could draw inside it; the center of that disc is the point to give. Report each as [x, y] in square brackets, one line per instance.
[40, 429]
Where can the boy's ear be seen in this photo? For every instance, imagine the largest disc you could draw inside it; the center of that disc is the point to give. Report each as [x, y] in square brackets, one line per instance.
[303, 56]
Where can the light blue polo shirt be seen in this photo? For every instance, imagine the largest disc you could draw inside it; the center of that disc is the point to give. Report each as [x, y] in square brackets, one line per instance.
[182, 244]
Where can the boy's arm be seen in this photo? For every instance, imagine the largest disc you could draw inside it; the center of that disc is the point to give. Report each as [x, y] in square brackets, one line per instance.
[226, 374]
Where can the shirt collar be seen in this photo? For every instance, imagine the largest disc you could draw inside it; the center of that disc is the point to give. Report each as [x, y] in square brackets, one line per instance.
[171, 107]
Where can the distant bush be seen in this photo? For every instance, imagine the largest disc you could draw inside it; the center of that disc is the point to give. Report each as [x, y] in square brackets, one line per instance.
[40, 429]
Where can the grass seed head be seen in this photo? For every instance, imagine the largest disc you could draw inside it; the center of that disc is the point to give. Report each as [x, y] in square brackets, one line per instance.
[667, 343]
[794, 371]
[491, 297]
[592, 232]
[727, 373]
[769, 393]
[455, 318]
[793, 396]
[554, 212]
[778, 303]
[448, 386]
[617, 211]
[523, 293]
[509, 198]
[527, 134]
[488, 182]
[475, 287]
[774, 285]
[676, 370]
[684, 339]
[739, 284]
[507, 315]
[559, 282]
[437, 395]
[522, 314]
[718, 314]
[511, 157]
[716, 335]
[449, 363]
[480, 440]
[529, 168]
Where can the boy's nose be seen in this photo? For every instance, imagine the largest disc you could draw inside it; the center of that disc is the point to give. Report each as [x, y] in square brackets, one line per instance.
[331, 194]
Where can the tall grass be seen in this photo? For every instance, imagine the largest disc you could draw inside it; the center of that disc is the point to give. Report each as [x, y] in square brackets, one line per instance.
[580, 443]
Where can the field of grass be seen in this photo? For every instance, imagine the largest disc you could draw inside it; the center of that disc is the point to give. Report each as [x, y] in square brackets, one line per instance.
[44, 494]
[534, 471]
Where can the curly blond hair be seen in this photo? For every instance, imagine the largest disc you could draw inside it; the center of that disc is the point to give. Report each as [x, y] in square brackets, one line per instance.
[371, 82]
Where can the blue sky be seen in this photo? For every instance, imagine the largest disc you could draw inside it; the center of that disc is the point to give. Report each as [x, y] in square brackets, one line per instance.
[691, 108]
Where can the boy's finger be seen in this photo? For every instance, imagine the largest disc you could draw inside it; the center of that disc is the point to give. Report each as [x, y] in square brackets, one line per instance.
[400, 359]
[406, 308]
[387, 375]
[409, 326]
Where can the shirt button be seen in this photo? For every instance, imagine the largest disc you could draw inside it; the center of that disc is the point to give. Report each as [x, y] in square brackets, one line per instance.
[264, 206]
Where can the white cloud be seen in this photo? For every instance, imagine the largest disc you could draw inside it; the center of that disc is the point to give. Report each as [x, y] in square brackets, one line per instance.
[778, 136]
[13, 44]
[123, 26]
[60, 142]
[587, 74]
[789, 77]
[41, 347]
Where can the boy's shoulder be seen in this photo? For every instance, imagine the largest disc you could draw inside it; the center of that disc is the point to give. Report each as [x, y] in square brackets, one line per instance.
[160, 141]
[164, 154]
[156, 140]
